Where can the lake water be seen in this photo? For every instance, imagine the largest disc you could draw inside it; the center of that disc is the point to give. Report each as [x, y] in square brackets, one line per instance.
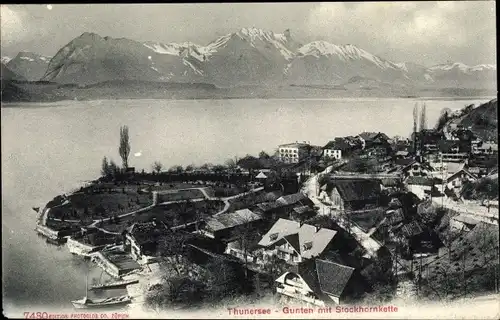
[51, 148]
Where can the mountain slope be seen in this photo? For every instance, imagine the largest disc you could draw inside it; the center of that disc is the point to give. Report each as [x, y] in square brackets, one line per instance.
[251, 56]
[461, 75]
[482, 120]
[91, 58]
[30, 65]
[321, 62]
[6, 74]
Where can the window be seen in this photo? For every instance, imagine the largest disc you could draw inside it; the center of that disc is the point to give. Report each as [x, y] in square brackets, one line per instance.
[308, 245]
[273, 236]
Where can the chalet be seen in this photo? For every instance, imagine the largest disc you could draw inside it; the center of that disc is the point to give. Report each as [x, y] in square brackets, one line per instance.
[295, 199]
[374, 139]
[284, 207]
[294, 243]
[427, 140]
[270, 210]
[465, 138]
[302, 213]
[353, 194]
[141, 238]
[321, 284]
[485, 154]
[421, 186]
[456, 180]
[341, 147]
[411, 167]
[449, 151]
[418, 238]
[224, 226]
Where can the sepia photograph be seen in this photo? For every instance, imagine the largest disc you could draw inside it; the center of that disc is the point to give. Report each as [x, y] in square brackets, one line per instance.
[301, 160]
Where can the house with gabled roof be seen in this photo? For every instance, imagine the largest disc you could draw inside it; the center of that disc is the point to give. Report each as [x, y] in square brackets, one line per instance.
[286, 207]
[419, 239]
[294, 243]
[353, 194]
[413, 167]
[222, 227]
[456, 180]
[319, 283]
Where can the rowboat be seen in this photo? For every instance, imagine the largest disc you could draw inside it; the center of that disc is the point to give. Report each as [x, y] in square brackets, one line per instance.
[86, 303]
[113, 285]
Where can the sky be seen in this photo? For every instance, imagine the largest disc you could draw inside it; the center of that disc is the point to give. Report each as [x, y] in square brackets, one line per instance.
[427, 33]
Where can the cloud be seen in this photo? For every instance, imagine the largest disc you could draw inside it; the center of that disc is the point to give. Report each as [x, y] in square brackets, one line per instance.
[422, 32]
[408, 26]
[13, 27]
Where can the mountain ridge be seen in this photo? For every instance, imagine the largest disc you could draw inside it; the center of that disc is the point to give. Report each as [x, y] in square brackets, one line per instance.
[249, 56]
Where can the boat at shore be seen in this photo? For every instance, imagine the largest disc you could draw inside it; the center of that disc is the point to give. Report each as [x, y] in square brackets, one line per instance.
[113, 285]
[86, 303]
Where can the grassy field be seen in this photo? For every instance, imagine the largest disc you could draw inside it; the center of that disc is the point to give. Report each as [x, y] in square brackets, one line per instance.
[172, 214]
[100, 204]
[179, 195]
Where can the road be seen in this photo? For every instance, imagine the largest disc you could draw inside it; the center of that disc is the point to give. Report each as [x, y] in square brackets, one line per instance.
[310, 189]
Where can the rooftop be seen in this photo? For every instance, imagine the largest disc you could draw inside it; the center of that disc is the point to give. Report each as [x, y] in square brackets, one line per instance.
[293, 199]
[306, 239]
[411, 229]
[230, 220]
[355, 190]
[295, 145]
[278, 231]
[333, 277]
[310, 243]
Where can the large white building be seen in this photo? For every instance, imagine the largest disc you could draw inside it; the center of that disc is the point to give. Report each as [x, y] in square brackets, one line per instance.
[293, 152]
[332, 153]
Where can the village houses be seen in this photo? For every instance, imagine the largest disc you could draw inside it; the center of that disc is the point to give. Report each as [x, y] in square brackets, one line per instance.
[320, 283]
[292, 242]
[351, 194]
[141, 239]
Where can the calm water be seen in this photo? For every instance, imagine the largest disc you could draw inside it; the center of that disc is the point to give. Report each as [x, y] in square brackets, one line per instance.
[50, 148]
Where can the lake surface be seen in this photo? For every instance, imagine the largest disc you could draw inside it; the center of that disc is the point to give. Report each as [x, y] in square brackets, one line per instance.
[51, 148]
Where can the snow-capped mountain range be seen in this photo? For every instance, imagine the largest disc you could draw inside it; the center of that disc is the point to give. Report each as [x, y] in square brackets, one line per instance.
[249, 56]
[29, 65]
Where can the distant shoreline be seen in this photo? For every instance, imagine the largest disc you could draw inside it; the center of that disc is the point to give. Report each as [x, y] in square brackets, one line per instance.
[43, 104]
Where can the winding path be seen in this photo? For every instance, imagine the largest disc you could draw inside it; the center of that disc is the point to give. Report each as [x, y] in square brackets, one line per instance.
[155, 203]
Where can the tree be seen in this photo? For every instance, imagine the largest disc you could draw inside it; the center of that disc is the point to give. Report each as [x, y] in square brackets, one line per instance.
[263, 155]
[221, 279]
[157, 166]
[171, 248]
[423, 119]
[113, 167]
[105, 169]
[443, 118]
[230, 164]
[124, 149]
[175, 169]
